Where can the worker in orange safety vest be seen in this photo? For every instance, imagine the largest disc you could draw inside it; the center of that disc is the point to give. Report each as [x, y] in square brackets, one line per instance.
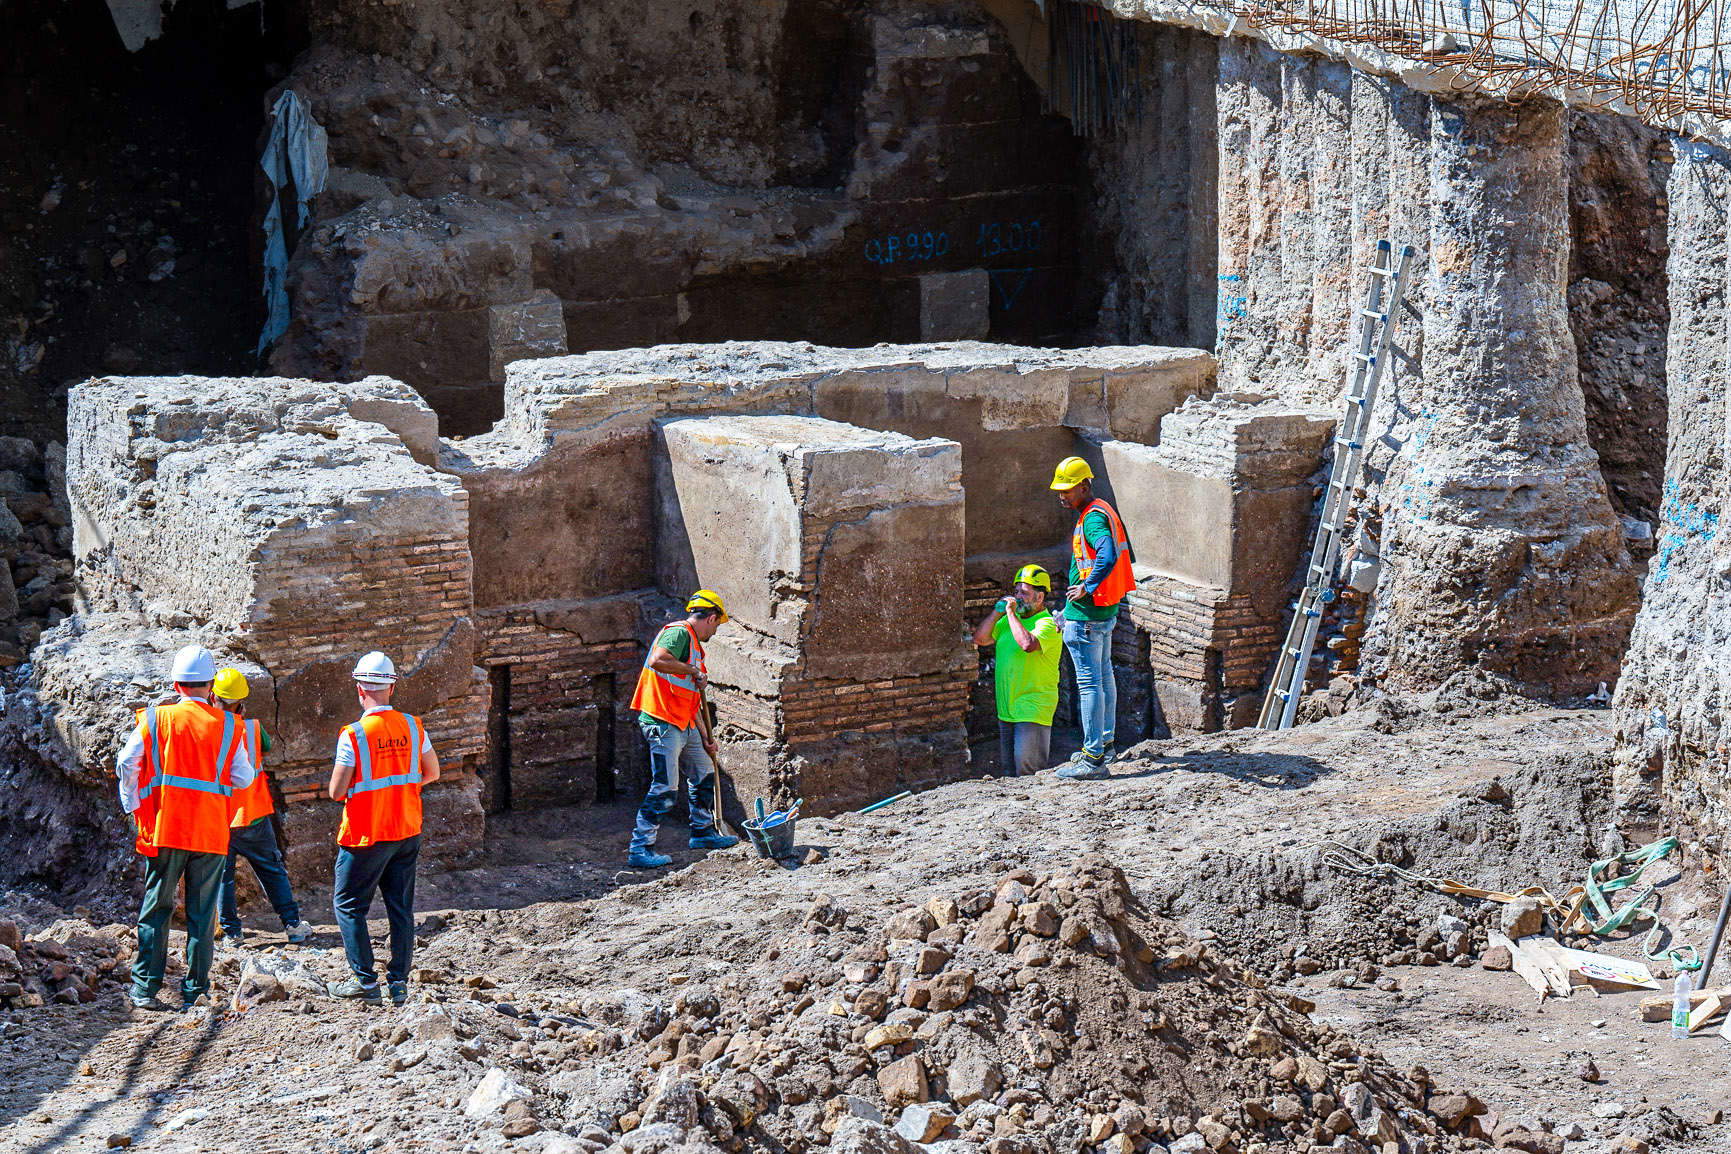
[669, 703]
[383, 761]
[179, 771]
[252, 833]
[1100, 576]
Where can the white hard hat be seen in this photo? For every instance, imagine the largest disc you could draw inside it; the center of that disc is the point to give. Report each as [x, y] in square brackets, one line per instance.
[375, 669]
[193, 664]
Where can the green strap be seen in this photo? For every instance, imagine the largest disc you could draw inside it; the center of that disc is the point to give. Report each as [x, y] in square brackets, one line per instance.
[1605, 877]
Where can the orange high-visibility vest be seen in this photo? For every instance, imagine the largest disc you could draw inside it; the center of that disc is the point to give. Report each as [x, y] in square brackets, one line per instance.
[185, 779]
[384, 800]
[672, 698]
[254, 801]
[1120, 580]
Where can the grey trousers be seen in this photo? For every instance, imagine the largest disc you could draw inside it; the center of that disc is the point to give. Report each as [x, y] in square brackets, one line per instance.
[1024, 747]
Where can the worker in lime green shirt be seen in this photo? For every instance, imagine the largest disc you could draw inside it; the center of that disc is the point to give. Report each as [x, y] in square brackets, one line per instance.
[1026, 648]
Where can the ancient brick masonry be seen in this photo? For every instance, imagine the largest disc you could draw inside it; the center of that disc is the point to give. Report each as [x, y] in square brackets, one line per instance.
[848, 503]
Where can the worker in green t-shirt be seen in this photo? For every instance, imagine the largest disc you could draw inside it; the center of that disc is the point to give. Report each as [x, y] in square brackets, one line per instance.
[1100, 577]
[1026, 648]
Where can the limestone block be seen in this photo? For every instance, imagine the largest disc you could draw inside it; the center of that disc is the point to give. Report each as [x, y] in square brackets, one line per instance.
[1225, 500]
[523, 330]
[855, 550]
[955, 306]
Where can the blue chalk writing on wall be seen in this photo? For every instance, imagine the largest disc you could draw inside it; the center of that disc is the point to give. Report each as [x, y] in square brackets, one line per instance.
[1418, 491]
[1685, 524]
[995, 238]
[899, 247]
[1230, 304]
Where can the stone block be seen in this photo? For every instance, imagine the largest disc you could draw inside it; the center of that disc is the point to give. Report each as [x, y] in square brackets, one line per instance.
[955, 306]
[820, 494]
[523, 330]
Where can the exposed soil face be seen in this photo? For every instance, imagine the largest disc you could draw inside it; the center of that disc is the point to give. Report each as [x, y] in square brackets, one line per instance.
[127, 223]
[611, 998]
[1617, 300]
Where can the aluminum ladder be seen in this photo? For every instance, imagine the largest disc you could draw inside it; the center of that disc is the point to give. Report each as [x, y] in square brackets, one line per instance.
[1377, 320]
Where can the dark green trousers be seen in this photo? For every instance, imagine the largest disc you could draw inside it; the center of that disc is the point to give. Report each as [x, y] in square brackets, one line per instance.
[162, 876]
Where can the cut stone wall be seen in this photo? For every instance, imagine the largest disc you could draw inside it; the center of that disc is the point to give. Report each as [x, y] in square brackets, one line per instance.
[1216, 514]
[840, 553]
[517, 577]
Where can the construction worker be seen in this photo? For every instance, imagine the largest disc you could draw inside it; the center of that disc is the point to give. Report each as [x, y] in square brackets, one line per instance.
[1100, 576]
[178, 772]
[382, 763]
[1026, 651]
[669, 701]
[252, 834]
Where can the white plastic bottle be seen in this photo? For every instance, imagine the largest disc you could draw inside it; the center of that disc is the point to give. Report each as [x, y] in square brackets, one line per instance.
[1680, 1004]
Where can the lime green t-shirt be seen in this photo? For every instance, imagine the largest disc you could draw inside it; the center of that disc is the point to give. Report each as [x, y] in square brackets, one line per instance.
[1098, 530]
[676, 639]
[1027, 683]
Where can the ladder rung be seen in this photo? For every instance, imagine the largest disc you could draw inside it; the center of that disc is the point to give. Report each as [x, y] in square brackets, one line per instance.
[1379, 315]
[1367, 358]
[1349, 444]
[1374, 271]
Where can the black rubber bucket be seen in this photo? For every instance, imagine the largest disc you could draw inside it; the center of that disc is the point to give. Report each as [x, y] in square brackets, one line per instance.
[774, 840]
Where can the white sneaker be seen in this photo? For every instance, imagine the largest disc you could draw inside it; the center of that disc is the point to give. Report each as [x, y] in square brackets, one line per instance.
[298, 933]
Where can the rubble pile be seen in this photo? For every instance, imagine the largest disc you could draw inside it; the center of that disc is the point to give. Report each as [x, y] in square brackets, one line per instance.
[36, 585]
[70, 962]
[1049, 1013]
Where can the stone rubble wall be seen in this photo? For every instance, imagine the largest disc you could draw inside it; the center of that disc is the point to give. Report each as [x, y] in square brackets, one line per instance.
[290, 529]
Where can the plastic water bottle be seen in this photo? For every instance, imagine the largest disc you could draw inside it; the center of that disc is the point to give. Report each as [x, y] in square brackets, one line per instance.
[1680, 1004]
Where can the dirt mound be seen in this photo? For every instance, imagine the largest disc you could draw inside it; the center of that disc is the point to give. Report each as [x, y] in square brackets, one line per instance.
[1044, 1014]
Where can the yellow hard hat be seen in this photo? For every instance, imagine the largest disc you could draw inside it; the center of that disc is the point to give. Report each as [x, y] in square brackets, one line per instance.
[1071, 471]
[231, 685]
[707, 599]
[1035, 576]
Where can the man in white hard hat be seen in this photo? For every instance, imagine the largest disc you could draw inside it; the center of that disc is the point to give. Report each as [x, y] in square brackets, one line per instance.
[382, 762]
[178, 773]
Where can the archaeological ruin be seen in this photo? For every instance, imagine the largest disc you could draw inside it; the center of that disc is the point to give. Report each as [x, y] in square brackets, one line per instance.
[482, 334]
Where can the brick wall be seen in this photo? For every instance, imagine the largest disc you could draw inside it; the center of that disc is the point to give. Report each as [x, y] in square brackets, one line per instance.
[560, 706]
[1208, 651]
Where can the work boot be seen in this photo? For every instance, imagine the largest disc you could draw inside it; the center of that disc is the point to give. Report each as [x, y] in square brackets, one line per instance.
[298, 933]
[714, 839]
[146, 1002]
[1084, 769]
[399, 993]
[352, 988]
[232, 937]
[647, 859]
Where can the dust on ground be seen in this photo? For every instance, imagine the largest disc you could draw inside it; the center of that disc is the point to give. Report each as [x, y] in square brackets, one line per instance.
[607, 1000]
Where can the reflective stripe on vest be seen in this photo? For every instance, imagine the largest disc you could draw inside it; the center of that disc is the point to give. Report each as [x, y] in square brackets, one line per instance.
[1121, 579]
[672, 697]
[158, 777]
[364, 781]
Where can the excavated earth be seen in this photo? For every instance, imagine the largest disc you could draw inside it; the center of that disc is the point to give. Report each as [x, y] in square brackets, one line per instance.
[1161, 961]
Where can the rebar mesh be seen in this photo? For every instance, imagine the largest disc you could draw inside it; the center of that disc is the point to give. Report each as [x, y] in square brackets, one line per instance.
[1658, 59]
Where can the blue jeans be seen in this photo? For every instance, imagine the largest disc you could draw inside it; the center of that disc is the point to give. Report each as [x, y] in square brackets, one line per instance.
[670, 750]
[387, 867]
[1090, 646]
[257, 844]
